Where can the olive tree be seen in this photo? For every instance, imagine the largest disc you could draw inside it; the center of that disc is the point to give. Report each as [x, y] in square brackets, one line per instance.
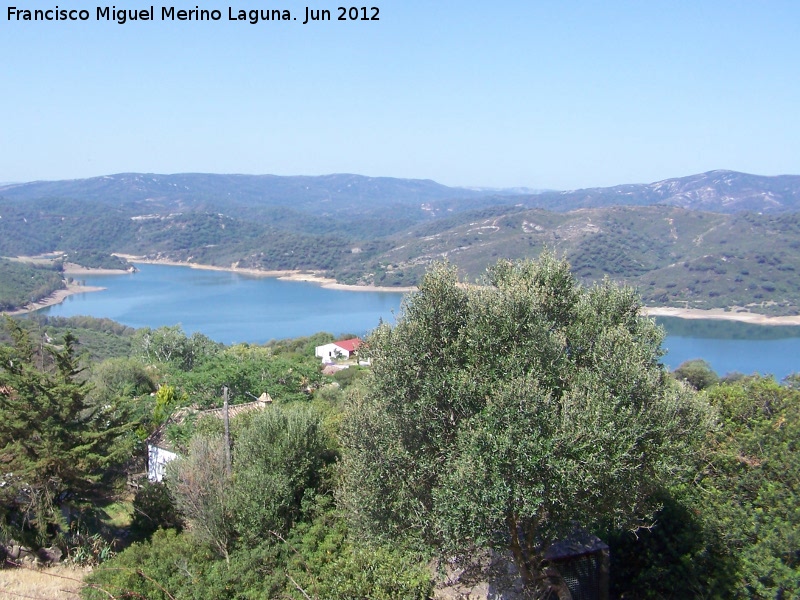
[507, 415]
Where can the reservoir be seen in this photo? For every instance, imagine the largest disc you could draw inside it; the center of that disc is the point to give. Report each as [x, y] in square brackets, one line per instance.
[228, 307]
[231, 307]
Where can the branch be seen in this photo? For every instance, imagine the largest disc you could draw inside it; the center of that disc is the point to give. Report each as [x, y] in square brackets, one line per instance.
[302, 591]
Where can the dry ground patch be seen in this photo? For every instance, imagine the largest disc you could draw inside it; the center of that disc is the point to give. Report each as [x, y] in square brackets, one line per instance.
[53, 583]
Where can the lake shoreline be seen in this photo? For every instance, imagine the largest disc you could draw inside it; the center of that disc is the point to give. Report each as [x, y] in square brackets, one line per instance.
[326, 282]
[53, 299]
[330, 283]
[72, 270]
[720, 314]
[284, 275]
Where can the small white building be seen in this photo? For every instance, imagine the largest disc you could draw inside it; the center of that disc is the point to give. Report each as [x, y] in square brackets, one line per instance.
[342, 349]
[157, 459]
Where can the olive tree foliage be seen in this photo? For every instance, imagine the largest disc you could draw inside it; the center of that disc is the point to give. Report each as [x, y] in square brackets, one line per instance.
[170, 345]
[506, 415]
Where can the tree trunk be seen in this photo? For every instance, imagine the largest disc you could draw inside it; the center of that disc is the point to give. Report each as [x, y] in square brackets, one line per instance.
[518, 553]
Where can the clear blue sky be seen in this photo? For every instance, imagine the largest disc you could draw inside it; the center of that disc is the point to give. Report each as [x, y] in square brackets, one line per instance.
[546, 94]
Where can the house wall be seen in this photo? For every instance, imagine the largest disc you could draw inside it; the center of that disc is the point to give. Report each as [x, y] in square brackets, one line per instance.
[157, 459]
[330, 352]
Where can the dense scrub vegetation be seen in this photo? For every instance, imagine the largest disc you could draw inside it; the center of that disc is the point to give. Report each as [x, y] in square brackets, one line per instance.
[732, 530]
[97, 260]
[96, 339]
[494, 417]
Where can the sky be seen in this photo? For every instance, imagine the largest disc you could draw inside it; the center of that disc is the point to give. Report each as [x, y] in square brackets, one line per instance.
[536, 93]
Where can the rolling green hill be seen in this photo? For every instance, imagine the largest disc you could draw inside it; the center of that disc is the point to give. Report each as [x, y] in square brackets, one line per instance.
[675, 257]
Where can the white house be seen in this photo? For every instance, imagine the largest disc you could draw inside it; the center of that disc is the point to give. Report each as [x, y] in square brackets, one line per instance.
[343, 349]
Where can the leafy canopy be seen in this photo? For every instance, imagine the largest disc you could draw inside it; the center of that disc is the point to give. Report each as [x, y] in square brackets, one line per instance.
[507, 414]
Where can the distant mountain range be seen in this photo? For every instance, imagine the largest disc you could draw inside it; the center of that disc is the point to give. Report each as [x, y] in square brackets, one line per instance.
[715, 191]
[333, 194]
[717, 239]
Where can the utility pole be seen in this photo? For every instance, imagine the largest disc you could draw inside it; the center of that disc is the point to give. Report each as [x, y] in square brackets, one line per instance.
[226, 420]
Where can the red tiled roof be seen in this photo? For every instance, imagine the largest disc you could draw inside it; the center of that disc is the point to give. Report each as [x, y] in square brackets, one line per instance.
[350, 345]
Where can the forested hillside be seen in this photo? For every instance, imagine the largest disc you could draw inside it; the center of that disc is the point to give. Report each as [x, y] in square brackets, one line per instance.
[21, 283]
[714, 191]
[674, 257]
[327, 194]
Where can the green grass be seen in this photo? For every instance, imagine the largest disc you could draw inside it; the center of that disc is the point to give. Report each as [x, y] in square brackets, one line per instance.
[117, 514]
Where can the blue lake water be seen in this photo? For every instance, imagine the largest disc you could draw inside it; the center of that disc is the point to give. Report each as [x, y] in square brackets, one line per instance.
[228, 307]
[231, 307]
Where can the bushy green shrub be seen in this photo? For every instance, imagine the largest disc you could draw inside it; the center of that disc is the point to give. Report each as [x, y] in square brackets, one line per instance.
[733, 530]
[697, 373]
[169, 564]
[154, 509]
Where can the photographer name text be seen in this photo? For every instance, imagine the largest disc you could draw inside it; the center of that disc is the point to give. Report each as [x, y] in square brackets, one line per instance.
[112, 14]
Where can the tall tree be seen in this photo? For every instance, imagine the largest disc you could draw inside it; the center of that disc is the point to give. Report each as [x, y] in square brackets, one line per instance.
[505, 415]
[53, 440]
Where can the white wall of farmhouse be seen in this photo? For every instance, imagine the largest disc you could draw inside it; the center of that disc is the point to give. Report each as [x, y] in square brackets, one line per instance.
[329, 352]
[157, 459]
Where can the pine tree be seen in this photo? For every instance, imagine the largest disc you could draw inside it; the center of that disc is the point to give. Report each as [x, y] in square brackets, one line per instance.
[54, 443]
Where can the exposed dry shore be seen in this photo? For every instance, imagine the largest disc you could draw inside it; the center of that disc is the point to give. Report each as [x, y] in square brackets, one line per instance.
[287, 275]
[327, 282]
[721, 314]
[71, 269]
[56, 297]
